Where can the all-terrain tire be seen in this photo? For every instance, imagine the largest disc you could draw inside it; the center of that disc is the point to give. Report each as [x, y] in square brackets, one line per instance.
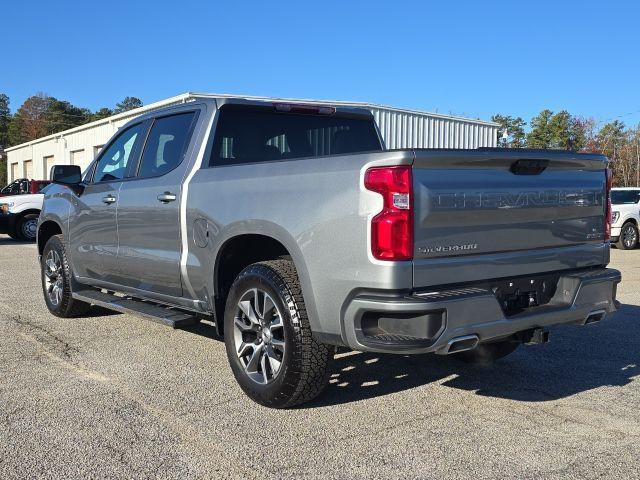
[305, 363]
[487, 353]
[64, 305]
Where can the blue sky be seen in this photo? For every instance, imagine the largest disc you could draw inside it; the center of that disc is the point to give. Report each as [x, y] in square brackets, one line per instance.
[472, 58]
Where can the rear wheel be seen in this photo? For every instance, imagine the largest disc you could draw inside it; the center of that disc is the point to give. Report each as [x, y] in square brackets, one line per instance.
[628, 237]
[27, 227]
[487, 353]
[57, 281]
[272, 353]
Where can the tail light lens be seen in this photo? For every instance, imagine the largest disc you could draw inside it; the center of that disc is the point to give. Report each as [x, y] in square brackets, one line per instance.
[392, 228]
[607, 217]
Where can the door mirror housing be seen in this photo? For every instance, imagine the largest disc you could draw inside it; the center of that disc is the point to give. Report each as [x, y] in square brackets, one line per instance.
[66, 174]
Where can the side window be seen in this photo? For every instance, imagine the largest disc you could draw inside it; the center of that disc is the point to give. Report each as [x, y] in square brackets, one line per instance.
[114, 161]
[166, 144]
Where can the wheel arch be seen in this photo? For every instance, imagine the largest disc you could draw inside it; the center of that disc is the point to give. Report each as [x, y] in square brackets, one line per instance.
[241, 250]
[46, 230]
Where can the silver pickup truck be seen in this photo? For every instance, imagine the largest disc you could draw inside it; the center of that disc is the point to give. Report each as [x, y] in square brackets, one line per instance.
[290, 227]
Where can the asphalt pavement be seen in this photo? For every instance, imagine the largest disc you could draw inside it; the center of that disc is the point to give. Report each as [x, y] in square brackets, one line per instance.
[116, 396]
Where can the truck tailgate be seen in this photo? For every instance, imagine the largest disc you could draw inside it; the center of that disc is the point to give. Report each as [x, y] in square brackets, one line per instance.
[483, 214]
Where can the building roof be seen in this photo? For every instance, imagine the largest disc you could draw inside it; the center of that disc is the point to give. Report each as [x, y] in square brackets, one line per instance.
[189, 96]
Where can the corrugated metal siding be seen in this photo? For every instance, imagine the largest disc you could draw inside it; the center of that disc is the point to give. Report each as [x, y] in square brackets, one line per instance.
[399, 129]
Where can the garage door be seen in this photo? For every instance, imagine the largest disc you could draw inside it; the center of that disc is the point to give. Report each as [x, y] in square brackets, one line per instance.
[77, 158]
[28, 169]
[14, 172]
[48, 163]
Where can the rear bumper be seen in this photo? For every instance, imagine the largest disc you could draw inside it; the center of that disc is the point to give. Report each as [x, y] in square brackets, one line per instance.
[428, 322]
[615, 233]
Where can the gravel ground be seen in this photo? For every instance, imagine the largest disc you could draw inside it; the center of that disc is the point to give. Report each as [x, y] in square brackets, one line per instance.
[113, 395]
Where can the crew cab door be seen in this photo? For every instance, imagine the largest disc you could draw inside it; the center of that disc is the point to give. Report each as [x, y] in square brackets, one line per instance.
[93, 230]
[149, 209]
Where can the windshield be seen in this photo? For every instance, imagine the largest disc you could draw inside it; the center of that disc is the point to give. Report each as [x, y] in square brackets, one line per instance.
[17, 186]
[625, 197]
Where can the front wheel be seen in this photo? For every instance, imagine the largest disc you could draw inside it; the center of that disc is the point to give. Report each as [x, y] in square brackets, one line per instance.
[27, 227]
[273, 355]
[628, 237]
[57, 281]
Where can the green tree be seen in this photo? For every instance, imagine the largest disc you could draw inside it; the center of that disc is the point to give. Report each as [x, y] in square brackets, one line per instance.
[62, 115]
[560, 131]
[540, 135]
[611, 139]
[567, 132]
[3, 168]
[129, 103]
[100, 114]
[511, 131]
[5, 120]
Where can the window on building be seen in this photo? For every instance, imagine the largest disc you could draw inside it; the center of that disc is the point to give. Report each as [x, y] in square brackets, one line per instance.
[47, 163]
[27, 169]
[76, 157]
[258, 134]
[14, 171]
[166, 144]
[116, 159]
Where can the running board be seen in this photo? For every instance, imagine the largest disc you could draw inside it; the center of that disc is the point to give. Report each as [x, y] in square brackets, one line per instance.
[152, 311]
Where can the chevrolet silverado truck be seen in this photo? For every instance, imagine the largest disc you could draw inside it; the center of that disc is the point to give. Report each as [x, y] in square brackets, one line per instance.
[19, 215]
[293, 230]
[625, 217]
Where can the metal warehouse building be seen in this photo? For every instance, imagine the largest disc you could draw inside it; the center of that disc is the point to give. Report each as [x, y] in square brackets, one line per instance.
[399, 128]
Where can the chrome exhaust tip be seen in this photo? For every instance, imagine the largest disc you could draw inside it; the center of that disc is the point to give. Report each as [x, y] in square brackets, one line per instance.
[460, 344]
[595, 317]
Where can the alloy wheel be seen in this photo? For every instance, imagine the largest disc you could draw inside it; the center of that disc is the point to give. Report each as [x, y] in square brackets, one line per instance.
[29, 229]
[259, 336]
[53, 277]
[629, 236]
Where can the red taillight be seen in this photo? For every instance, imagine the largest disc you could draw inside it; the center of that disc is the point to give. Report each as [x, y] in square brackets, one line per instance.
[392, 228]
[607, 218]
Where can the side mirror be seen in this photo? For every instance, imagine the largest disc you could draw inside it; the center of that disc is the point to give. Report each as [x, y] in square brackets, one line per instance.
[66, 174]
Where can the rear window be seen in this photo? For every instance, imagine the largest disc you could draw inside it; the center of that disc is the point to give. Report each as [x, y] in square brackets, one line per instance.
[621, 197]
[251, 135]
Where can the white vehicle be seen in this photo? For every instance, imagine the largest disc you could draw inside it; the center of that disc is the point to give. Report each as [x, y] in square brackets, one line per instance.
[19, 216]
[625, 217]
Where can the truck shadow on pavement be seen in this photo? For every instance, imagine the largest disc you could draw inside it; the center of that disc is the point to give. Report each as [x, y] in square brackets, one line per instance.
[577, 359]
[6, 240]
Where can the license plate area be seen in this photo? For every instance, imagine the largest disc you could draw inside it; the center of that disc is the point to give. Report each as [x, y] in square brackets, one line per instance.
[519, 294]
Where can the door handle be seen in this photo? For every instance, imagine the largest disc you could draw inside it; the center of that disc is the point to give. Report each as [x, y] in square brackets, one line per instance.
[166, 197]
[109, 199]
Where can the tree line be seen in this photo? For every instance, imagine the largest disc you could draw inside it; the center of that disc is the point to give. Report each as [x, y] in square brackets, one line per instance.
[563, 131]
[42, 115]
